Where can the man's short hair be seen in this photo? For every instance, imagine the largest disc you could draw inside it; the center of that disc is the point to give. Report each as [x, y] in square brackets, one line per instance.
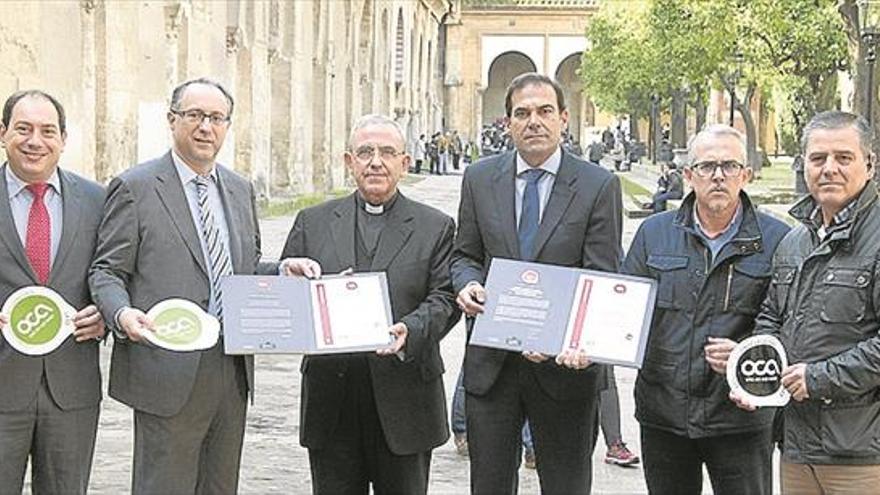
[716, 130]
[13, 100]
[835, 119]
[177, 94]
[532, 79]
[371, 120]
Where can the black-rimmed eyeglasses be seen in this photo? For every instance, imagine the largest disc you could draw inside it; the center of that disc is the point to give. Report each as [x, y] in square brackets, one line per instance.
[196, 116]
[730, 168]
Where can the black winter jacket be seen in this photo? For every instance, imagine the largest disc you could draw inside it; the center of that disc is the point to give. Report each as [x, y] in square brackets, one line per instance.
[697, 297]
[824, 305]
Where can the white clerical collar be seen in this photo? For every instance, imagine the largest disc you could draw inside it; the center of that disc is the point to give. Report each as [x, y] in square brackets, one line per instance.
[374, 209]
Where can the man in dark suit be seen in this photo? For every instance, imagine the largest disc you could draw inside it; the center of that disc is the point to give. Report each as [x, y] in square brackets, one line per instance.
[48, 219]
[174, 227]
[374, 418]
[539, 204]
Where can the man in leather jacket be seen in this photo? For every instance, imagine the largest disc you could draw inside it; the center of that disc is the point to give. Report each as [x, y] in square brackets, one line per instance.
[823, 304]
[711, 259]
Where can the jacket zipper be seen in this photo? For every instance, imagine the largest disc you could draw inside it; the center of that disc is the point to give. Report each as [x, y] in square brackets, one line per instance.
[727, 293]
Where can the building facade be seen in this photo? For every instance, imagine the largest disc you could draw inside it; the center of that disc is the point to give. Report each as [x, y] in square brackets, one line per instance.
[301, 73]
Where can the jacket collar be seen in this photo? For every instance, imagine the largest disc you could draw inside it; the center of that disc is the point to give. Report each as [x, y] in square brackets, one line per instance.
[747, 239]
[803, 209]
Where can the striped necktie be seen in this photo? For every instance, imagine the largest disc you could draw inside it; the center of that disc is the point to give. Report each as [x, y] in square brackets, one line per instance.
[219, 261]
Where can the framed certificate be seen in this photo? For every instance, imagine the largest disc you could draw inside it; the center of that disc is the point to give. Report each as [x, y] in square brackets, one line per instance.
[294, 315]
[549, 309]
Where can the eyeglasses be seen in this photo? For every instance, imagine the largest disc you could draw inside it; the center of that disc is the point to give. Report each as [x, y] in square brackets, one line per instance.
[729, 168]
[196, 116]
[366, 153]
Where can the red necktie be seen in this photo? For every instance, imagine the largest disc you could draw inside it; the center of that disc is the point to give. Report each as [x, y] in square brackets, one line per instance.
[39, 231]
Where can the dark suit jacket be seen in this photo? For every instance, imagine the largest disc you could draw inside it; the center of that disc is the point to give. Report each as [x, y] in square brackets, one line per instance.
[148, 251]
[581, 227]
[71, 370]
[413, 252]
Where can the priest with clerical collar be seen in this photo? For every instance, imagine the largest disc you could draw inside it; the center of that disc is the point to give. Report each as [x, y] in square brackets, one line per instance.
[373, 418]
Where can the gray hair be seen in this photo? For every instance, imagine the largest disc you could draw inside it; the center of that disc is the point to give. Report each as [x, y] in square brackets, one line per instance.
[375, 119]
[715, 130]
[177, 94]
[835, 119]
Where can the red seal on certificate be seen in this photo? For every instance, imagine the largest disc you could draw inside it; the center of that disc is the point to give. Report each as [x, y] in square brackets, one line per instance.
[620, 289]
[530, 277]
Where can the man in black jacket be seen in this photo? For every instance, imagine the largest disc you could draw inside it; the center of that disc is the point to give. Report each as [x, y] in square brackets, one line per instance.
[824, 305]
[711, 259]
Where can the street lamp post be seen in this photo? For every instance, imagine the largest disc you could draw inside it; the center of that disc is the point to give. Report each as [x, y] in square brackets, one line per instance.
[869, 27]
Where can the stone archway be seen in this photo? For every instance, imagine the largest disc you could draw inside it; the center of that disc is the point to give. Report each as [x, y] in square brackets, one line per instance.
[581, 113]
[503, 69]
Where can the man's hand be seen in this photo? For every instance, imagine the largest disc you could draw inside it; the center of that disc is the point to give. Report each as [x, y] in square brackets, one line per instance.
[794, 379]
[399, 331]
[740, 402]
[302, 267]
[574, 359]
[535, 357]
[717, 352]
[89, 324]
[4, 320]
[471, 299]
[134, 323]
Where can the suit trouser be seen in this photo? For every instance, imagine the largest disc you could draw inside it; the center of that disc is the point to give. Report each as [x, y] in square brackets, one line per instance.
[564, 434]
[819, 479]
[198, 450]
[357, 454]
[60, 444]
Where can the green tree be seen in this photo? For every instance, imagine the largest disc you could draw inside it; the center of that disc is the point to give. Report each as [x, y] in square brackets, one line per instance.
[795, 46]
[619, 67]
[676, 48]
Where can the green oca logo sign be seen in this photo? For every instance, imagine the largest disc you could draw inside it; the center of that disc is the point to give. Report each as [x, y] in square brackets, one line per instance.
[36, 320]
[177, 326]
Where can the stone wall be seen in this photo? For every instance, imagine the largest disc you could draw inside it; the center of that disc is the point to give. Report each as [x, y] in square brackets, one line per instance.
[301, 72]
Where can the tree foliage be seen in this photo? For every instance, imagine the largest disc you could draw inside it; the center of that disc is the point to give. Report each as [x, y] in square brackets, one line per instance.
[792, 46]
[619, 66]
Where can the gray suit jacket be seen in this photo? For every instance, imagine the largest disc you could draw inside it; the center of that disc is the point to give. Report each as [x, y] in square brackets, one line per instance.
[148, 250]
[413, 252]
[71, 370]
[581, 227]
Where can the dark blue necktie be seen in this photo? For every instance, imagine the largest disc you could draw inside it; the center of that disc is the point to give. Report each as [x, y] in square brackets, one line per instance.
[529, 217]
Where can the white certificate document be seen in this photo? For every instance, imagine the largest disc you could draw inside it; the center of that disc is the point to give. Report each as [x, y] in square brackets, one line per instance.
[607, 317]
[349, 312]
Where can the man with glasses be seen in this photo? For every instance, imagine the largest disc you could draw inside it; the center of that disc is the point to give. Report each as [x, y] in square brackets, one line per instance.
[373, 418]
[173, 227]
[711, 259]
[824, 305]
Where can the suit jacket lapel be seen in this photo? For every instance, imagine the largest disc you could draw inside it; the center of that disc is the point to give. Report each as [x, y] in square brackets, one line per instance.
[7, 226]
[560, 197]
[504, 185]
[398, 229]
[70, 220]
[170, 192]
[234, 223]
[342, 230]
